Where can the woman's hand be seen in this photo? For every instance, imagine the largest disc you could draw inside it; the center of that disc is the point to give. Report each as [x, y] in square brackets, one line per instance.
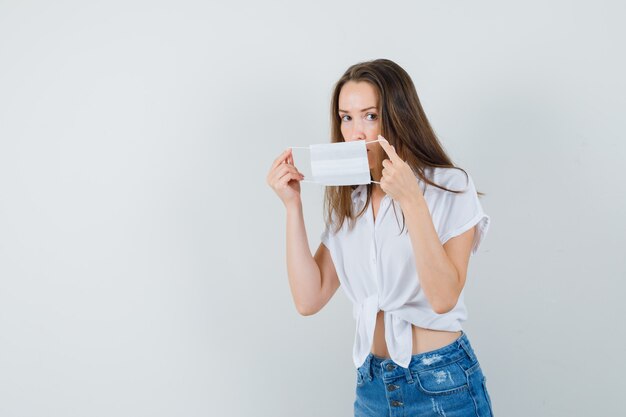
[284, 178]
[398, 179]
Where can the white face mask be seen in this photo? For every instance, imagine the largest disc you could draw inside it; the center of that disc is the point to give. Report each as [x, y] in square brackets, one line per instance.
[341, 163]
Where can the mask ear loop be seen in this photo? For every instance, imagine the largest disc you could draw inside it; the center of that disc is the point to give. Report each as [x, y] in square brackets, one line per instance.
[372, 141]
[309, 148]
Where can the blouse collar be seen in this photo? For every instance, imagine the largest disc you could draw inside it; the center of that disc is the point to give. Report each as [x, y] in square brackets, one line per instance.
[360, 193]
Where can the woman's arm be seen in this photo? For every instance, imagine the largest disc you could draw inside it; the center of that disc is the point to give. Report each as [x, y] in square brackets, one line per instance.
[441, 268]
[303, 272]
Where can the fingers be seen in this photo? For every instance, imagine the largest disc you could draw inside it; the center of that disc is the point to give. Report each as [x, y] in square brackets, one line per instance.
[285, 159]
[283, 169]
[284, 180]
[389, 150]
[281, 158]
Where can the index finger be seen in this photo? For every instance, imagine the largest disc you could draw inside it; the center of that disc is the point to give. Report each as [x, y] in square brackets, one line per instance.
[391, 152]
[280, 158]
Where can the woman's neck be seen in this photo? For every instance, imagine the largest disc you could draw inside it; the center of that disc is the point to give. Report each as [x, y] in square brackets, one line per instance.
[377, 192]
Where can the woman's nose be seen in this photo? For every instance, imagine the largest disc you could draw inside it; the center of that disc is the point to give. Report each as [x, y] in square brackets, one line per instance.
[357, 132]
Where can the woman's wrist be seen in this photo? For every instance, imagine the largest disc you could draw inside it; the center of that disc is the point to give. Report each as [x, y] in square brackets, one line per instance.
[414, 200]
[295, 205]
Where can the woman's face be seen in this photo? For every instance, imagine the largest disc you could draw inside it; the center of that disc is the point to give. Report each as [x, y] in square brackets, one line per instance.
[359, 114]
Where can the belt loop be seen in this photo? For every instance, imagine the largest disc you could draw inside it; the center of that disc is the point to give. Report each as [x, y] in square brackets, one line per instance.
[407, 373]
[467, 350]
[368, 367]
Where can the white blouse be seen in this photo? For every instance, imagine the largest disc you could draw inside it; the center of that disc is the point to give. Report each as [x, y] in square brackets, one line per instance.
[376, 265]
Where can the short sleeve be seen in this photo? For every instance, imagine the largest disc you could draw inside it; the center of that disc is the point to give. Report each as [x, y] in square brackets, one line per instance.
[456, 213]
[325, 236]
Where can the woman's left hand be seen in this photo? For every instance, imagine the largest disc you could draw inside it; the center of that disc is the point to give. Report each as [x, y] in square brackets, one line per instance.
[398, 179]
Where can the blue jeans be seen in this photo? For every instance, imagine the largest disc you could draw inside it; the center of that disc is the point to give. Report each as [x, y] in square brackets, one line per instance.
[444, 382]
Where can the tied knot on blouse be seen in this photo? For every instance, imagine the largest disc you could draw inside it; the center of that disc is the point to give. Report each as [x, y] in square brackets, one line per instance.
[376, 267]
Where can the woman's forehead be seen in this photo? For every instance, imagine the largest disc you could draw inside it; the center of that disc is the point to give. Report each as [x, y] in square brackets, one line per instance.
[357, 96]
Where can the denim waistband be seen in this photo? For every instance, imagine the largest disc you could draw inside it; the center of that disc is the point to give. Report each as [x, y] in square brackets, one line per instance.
[388, 369]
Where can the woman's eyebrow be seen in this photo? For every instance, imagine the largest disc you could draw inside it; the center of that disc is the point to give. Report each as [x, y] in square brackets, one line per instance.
[343, 111]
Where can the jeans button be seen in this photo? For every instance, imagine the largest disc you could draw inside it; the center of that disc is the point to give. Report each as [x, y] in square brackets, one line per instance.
[392, 387]
[391, 367]
[396, 403]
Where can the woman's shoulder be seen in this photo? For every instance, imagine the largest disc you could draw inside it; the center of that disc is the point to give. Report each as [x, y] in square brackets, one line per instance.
[452, 178]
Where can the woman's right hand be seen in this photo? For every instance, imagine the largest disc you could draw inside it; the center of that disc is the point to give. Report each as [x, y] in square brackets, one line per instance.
[284, 178]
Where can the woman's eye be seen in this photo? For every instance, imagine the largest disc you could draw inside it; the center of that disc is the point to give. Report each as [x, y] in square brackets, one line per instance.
[374, 116]
[343, 118]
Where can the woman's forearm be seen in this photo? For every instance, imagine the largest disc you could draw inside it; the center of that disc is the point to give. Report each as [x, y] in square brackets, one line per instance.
[302, 270]
[437, 274]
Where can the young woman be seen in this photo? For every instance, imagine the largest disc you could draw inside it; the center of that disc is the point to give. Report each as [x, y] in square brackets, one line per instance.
[400, 248]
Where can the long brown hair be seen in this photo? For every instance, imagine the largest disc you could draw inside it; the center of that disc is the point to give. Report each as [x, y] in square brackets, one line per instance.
[403, 123]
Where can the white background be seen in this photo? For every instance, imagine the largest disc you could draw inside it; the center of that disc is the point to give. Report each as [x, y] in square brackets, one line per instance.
[142, 254]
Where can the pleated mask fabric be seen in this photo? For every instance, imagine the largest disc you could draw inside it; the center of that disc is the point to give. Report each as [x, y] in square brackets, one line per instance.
[340, 163]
